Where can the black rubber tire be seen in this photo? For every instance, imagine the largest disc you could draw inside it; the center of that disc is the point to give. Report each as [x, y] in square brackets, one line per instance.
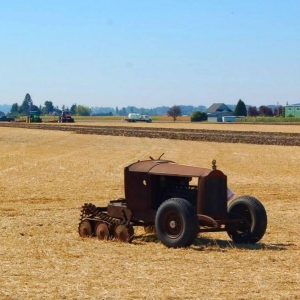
[176, 223]
[254, 226]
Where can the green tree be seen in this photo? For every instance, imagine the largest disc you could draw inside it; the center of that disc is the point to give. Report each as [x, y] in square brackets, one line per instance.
[57, 110]
[25, 107]
[82, 110]
[198, 116]
[14, 109]
[174, 112]
[123, 111]
[240, 109]
[48, 108]
[73, 109]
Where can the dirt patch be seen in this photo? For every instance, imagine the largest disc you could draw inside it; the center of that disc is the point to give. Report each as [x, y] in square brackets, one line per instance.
[221, 136]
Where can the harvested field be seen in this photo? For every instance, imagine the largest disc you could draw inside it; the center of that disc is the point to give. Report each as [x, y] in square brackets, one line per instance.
[46, 175]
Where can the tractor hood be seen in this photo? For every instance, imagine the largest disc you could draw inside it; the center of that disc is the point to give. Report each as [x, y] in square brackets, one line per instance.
[165, 167]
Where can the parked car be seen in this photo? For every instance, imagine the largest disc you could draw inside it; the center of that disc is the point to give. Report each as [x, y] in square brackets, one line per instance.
[132, 117]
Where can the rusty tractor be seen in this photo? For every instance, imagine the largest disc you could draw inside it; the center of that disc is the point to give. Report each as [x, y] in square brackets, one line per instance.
[177, 202]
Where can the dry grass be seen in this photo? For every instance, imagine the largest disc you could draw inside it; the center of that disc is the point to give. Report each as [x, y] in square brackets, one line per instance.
[46, 176]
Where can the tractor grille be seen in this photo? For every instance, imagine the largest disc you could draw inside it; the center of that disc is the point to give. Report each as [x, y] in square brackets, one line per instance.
[215, 197]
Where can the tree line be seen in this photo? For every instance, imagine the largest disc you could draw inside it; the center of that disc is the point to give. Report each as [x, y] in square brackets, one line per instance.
[196, 113]
[240, 110]
[48, 109]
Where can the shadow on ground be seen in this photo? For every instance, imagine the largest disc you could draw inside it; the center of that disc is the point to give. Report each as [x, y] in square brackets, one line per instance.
[201, 244]
[208, 244]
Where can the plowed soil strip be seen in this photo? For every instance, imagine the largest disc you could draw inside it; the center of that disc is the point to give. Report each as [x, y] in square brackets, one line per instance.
[223, 136]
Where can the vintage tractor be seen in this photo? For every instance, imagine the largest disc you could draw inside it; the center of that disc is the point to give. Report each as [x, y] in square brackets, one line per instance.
[65, 117]
[178, 202]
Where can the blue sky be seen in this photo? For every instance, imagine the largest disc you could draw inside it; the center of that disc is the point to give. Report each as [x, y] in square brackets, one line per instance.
[150, 53]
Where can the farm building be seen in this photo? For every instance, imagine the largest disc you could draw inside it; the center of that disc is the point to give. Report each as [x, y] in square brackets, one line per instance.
[292, 110]
[217, 111]
[229, 119]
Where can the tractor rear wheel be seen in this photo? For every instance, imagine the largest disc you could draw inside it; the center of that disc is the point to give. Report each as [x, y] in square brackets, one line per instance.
[254, 220]
[176, 223]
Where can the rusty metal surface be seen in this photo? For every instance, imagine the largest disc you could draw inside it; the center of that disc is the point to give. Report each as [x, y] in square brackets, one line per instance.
[172, 169]
[115, 209]
[101, 231]
[121, 233]
[151, 182]
[206, 220]
[145, 165]
[212, 195]
[95, 220]
[162, 167]
[85, 228]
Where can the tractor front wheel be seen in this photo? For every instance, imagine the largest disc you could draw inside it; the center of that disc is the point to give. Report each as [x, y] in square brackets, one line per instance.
[253, 220]
[176, 223]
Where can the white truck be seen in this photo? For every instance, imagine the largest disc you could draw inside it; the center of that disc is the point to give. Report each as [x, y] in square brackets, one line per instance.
[133, 117]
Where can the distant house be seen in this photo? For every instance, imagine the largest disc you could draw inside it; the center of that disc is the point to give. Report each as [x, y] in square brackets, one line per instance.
[217, 111]
[292, 110]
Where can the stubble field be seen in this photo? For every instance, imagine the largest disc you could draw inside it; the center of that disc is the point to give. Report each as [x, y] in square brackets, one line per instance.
[45, 177]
